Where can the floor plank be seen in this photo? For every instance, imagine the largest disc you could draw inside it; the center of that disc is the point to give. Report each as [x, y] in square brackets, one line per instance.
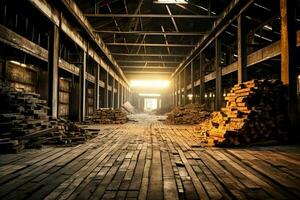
[146, 159]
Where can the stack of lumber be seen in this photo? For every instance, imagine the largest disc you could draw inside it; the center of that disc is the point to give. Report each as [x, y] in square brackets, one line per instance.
[24, 121]
[23, 116]
[108, 116]
[189, 114]
[127, 107]
[255, 112]
[68, 133]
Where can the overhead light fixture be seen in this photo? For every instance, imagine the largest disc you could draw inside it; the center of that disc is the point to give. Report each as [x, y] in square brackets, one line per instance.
[149, 95]
[171, 1]
[153, 84]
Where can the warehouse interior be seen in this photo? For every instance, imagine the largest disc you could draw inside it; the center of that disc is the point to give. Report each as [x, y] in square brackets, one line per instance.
[149, 99]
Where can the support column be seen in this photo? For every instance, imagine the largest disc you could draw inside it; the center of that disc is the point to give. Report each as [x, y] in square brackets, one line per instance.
[118, 95]
[218, 99]
[122, 99]
[106, 91]
[179, 89]
[113, 93]
[53, 54]
[97, 91]
[184, 87]
[82, 86]
[192, 81]
[176, 90]
[288, 58]
[242, 50]
[202, 83]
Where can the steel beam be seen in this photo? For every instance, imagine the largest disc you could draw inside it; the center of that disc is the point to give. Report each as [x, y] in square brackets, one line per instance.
[53, 55]
[227, 17]
[145, 61]
[150, 45]
[150, 16]
[148, 55]
[148, 33]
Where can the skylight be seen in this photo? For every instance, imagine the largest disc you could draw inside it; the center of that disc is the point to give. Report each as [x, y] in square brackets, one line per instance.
[171, 1]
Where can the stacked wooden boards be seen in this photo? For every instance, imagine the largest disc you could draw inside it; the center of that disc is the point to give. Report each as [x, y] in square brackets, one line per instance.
[22, 116]
[189, 114]
[255, 112]
[24, 122]
[108, 116]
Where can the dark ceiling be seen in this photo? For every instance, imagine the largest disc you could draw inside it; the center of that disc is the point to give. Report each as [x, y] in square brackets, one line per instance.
[134, 30]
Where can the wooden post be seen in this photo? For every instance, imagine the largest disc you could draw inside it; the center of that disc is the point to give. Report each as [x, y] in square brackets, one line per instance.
[202, 83]
[179, 88]
[82, 86]
[184, 87]
[106, 91]
[176, 91]
[242, 50]
[288, 59]
[118, 95]
[53, 54]
[192, 81]
[97, 91]
[113, 93]
[218, 98]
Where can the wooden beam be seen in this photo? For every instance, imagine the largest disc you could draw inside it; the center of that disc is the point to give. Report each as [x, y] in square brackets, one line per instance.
[17, 41]
[218, 99]
[53, 54]
[201, 77]
[82, 88]
[97, 90]
[192, 82]
[266, 53]
[184, 87]
[106, 90]
[288, 61]
[242, 49]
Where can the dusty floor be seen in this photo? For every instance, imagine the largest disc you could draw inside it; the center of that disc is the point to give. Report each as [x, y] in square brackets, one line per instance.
[149, 160]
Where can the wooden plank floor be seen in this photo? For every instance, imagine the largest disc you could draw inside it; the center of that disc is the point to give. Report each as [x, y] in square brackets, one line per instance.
[149, 160]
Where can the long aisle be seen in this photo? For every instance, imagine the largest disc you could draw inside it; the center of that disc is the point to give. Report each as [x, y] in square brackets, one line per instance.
[145, 159]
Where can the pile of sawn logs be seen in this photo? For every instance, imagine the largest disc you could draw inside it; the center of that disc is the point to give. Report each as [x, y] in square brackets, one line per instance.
[108, 116]
[189, 114]
[255, 113]
[24, 122]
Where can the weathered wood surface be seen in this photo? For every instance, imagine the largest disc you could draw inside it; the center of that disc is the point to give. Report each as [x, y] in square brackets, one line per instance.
[150, 160]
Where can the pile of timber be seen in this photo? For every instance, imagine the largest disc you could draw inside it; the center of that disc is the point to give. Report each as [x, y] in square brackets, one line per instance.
[68, 133]
[127, 107]
[24, 121]
[108, 116]
[189, 114]
[255, 113]
[23, 115]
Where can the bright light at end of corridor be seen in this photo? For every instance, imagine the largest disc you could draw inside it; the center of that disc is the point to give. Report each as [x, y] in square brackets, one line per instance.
[149, 95]
[155, 84]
